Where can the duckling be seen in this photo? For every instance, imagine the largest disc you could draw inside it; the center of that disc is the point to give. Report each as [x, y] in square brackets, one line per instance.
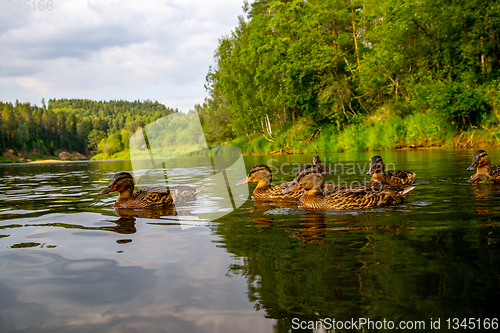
[485, 172]
[393, 177]
[149, 196]
[311, 181]
[261, 174]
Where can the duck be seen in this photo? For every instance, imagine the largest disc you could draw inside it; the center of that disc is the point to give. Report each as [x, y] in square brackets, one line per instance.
[262, 175]
[311, 182]
[321, 167]
[392, 177]
[154, 196]
[484, 171]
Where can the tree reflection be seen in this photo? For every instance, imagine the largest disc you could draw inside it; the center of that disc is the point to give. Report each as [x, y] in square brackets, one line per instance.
[314, 265]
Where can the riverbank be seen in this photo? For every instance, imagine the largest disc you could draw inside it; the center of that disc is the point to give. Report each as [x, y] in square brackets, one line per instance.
[10, 156]
[381, 132]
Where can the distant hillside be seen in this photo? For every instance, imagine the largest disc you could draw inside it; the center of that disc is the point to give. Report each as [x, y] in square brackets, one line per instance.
[73, 125]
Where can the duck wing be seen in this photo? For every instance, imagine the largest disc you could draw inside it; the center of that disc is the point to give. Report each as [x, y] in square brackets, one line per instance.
[358, 198]
[494, 173]
[399, 177]
[345, 199]
[165, 196]
[185, 193]
[275, 193]
[154, 196]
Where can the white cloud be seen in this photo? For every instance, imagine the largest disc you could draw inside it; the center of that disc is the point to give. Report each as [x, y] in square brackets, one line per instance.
[157, 50]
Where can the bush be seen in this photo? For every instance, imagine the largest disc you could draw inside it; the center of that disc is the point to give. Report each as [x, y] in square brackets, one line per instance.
[462, 105]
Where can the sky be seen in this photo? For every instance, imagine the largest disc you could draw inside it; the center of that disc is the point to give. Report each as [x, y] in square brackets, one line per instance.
[159, 50]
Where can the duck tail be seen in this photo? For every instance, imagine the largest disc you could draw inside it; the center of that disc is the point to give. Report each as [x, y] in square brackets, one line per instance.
[407, 190]
[198, 189]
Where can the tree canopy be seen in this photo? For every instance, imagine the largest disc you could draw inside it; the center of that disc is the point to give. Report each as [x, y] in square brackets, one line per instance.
[335, 62]
[74, 124]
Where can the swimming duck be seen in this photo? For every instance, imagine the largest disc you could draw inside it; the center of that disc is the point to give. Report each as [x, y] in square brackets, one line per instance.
[485, 172]
[149, 196]
[321, 167]
[311, 181]
[393, 177]
[262, 175]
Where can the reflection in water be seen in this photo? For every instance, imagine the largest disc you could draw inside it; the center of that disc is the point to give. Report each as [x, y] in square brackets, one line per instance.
[69, 262]
[312, 229]
[378, 264]
[486, 195]
[147, 213]
[124, 225]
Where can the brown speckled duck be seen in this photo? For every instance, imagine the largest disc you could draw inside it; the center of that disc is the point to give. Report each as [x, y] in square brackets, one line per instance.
[321, 167]
[262, 175]
[485, 172]
[393, 177]
[310, 180]
[149, 196]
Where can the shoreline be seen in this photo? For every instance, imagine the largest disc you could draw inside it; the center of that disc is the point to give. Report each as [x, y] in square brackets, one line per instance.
[258, 154]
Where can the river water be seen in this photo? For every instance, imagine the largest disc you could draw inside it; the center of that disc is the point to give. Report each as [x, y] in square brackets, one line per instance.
[69, 263]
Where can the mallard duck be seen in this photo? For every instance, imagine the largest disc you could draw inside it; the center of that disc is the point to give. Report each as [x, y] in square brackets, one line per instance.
[149, 196]
[321, 167]
[393, 177]
[310, 180]
[262, 175]
[485, 172]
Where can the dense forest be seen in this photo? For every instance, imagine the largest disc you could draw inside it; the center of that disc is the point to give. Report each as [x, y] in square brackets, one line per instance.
[316, 75]
[74, 125]
[330, 75]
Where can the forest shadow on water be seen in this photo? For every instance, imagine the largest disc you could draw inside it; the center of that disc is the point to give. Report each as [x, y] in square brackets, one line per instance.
[70, 263]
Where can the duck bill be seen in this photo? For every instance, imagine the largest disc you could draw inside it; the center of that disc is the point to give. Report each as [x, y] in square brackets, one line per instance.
[370, 172]
[473, 166]
[107, 190]
[244, 181]
[294, 186]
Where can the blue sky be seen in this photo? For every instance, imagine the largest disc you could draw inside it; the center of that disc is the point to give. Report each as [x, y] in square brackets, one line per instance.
[102, 50]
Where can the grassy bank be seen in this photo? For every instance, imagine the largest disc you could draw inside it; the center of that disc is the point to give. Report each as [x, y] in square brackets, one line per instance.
[382, 131]
[121, 155]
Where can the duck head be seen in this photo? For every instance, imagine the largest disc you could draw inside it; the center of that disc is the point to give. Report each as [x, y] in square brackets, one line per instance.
[481, 161]
[121, 182]
[377, 169]
[308, 178]
[317, 163]
[260, 174]
[376, 166]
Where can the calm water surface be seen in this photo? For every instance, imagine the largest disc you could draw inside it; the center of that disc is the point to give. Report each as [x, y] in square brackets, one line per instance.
[69, 263]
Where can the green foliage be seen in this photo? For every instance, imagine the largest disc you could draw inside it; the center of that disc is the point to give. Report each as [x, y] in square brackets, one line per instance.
[338, 62]
[74, 125]
[425, 129]
[462, 105]
[112, 144]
